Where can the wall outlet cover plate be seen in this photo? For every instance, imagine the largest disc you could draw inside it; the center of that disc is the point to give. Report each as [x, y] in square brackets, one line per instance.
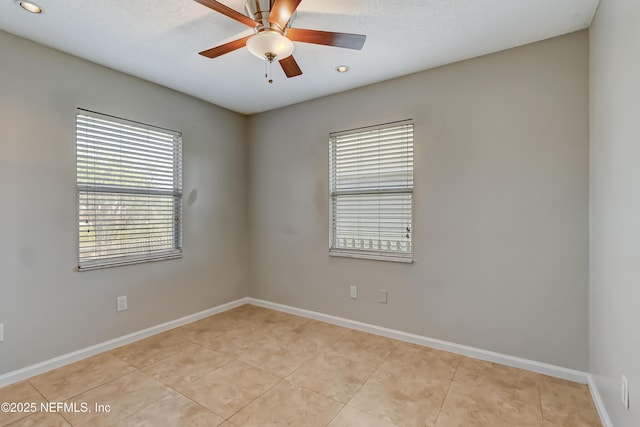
[625, 392]
[121, 303]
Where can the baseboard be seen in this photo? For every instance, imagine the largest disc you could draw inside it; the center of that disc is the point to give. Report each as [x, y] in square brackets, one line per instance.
[476, 353]
[597, 400]
[516, 362]
[65, 359]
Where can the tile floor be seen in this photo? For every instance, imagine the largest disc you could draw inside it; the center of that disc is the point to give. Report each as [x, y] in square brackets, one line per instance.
[256, 367]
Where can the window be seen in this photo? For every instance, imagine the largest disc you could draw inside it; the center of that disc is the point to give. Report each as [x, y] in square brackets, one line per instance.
[371, 192]
[129, 181]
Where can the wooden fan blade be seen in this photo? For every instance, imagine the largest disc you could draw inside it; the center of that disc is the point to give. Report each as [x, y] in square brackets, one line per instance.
[231, 13]
[214, 52]
[290, 66]
[327, 38]
[281, 12]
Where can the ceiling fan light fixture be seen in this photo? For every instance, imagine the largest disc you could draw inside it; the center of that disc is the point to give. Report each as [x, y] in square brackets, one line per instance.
[30, 7]
[270, 44]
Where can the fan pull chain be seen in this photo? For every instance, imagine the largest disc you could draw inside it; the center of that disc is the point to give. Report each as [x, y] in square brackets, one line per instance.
[268, 72]
[267, 66]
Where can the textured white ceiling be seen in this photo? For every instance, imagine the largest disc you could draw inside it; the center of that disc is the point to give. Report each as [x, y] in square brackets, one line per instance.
[158, 40]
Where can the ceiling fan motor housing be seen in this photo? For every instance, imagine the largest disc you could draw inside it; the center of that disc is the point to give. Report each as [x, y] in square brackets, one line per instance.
[259, 11]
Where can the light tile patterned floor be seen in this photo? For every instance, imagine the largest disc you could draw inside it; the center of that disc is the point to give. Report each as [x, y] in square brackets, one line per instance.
[256, 367]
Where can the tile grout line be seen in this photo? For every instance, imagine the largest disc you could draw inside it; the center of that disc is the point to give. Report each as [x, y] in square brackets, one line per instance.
[26, 414]
[231, 359]
[540, 402]
[258, 397]
[235, 358]
[435, 423]
[89, 389]
[151, 403]
[196, 402]
[367, 380]
[318, 393]
[281, 379]
[344, 404]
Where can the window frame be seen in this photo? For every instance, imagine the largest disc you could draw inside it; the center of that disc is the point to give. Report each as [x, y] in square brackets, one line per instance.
[380, 255]
[176, 194]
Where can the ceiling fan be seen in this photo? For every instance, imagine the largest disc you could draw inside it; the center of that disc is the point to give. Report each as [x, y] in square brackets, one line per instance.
[271, 20]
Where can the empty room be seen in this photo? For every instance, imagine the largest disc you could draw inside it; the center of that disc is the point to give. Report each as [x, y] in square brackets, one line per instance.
[308, 213]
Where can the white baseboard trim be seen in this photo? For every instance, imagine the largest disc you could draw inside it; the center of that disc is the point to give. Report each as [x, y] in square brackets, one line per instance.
[476, 353]
[65, 359]
[597, 400]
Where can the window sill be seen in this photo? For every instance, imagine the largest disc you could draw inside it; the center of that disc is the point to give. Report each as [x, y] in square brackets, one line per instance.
[371, 256]
[118, 262]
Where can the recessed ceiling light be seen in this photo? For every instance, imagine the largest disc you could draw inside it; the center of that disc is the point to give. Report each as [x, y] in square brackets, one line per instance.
[342, 68]
[30, 7]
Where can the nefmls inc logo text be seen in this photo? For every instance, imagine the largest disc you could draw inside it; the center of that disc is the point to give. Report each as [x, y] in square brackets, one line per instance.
[82, 407]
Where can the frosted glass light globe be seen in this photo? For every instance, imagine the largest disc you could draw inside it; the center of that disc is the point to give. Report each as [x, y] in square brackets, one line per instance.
[270, 41]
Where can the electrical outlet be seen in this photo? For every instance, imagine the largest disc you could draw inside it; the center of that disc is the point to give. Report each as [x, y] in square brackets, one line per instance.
[1, 332]
[625, 392]
[382, 296]
[121, 303]
[354, 292]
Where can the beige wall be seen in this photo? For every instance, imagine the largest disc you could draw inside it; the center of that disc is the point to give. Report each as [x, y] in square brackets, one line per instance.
[501, 204]
[47, 308]
[615, 206]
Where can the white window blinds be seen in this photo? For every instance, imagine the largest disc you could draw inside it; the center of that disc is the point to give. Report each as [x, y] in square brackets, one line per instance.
[371, 192]
[129, 183]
